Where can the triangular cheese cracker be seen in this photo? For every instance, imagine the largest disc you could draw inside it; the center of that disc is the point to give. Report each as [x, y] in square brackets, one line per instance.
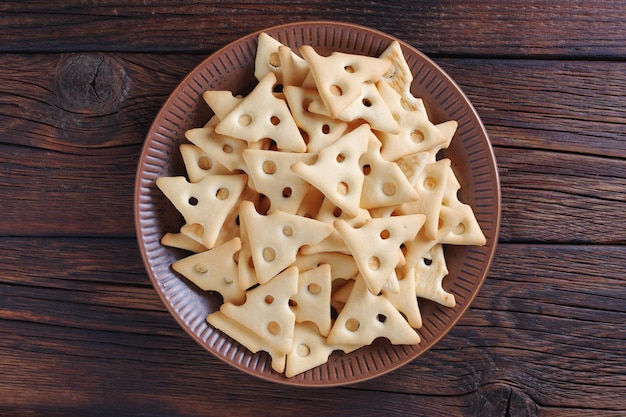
[405, 300]
[272, 56]
[293, 68]
[366, 317]
[320, 130]
[226, 150]
[312, 302]
[399, 77]
[339, 77]
[215, 270]
[205, 203]
[232, 224]
[430, 186]
[341, 266]
[369, 106]
[416, 248]
[385, 184]
[182, 241]
[429, 274]
[310, 349]
[376, 245]
[221, 102]
[339, 162]
[416, 133]
[199, 164]
[328, 213]
[261, 115]
[413, 164]
[447, 129]
[246, 337]
[266, 311]
[276, 238]
[468, 232]
[272, 176]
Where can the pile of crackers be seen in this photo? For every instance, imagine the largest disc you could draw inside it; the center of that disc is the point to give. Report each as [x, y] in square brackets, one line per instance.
[317, 206]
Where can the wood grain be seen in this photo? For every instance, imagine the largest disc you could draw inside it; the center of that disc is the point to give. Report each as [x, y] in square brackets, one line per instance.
[514, 28]
[544, 319]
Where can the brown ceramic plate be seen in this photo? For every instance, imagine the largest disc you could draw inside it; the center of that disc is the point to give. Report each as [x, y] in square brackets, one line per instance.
[231, 68]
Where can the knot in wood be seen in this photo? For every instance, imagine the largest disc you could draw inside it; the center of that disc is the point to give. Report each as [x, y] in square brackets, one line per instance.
[90, 83]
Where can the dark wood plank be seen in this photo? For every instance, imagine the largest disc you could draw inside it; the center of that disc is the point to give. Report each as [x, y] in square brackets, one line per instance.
[74, 103]
[568, 106]
[513, 28]
[561, 197]
[544, 336]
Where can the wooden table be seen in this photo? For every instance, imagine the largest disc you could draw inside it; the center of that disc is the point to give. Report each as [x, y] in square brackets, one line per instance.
[83, 332]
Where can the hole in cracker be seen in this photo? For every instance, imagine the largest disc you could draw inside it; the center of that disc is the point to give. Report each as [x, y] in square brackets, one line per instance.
[227, 149]
[349, 69]
[288, 231]
[292, 303]
[352, 324]
[193, 201]
[273, 327]
[269, 167]
[342, 188]
[271, 144]
[335, 90]
[459, 230]
[389, 189]
[287, 192]
[269, 254]
[205, 163]
[269, 299]
[245, 120]
[200, 268]
[303, 350]
[274, 60]
[275, 120]
[222, 194]
[367, 102]
[337, 212]
[427, 261]
[381, 318]
[325, 129]
[305, 136]
[341, 157]
[367, 169]
[385, 234]
[373, 263]
[417, 136]
[314, 288]
[228, 280]
[430, 183]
